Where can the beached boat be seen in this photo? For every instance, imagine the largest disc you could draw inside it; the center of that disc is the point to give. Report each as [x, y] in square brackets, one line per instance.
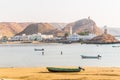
[91, 57]
[53, 69]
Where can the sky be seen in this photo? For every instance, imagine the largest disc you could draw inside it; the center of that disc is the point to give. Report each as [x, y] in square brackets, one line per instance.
[103, 12]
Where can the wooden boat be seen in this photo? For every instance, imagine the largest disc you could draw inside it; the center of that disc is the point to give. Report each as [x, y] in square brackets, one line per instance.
[116, 46]
[53, 69]
[91, 57]
[38, 49]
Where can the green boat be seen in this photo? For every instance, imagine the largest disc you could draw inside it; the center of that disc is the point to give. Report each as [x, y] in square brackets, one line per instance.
[53, 69]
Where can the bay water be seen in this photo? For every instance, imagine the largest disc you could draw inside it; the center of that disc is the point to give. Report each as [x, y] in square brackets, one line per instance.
[25, 55]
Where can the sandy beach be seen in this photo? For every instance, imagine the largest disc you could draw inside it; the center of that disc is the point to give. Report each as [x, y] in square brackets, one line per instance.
[41, 73]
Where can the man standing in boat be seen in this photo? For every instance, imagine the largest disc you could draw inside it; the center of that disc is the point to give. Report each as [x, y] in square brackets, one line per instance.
[42, 53]
[61, 52]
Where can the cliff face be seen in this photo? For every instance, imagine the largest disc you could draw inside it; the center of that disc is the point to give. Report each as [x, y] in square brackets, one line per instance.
[83, 25]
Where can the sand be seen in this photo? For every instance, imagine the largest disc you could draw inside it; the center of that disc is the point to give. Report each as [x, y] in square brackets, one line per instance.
[41, 73]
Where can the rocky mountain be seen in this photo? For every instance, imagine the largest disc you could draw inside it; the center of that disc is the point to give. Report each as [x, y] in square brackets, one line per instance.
[58, 29]
[104, 38]
[36, 28]
[25, 24]
[83, 25]
[11, 28]
[44, 28]
[59, 26]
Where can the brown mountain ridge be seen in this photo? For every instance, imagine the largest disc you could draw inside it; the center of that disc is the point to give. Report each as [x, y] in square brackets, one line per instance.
[57, 29]
[83, 25]
[11, 28]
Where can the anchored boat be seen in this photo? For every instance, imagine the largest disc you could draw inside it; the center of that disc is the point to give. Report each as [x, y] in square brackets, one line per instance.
[38, 49]
[91, 57]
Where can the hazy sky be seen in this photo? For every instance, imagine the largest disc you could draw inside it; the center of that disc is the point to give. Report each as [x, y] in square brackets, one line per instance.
[103, 12]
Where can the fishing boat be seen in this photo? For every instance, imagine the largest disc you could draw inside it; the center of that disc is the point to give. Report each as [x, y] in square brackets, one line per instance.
[116, 46]
[91, 57]
[38, 49]
[53, 69]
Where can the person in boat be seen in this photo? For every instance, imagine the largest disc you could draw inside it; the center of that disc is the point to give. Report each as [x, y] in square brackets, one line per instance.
[42, 53]
[99, 56]
[61, 52]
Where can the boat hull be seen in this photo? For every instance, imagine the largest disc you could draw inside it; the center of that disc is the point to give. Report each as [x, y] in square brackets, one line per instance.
[52, 69]
[90, 57]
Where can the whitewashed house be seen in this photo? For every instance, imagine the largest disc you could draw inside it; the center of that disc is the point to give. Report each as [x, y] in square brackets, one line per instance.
[87, 37]
[47, 36]
[35, 37]
[16, 38]
[73, 37]
[76, 37]
[24, 37]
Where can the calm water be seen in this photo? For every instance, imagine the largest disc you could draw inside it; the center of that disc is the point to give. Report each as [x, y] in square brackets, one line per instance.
[25, 55]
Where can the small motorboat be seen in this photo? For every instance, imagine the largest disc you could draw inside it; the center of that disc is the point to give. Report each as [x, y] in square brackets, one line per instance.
[38, 49]
[53, 69]
[91, 57]
[116, 46]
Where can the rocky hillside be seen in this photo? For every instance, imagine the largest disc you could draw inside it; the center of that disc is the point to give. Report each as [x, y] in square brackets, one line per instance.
[58, 29]
[83, 25]
[36, 28]
[11, 28]
[59, 26]
[104, 38]
[44, 28]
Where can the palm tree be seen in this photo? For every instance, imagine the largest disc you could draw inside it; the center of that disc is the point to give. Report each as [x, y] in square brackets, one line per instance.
[66, 35]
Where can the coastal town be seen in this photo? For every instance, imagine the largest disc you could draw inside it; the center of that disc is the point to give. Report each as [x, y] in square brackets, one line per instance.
[59, 39]
[84, 31]
[72, 37]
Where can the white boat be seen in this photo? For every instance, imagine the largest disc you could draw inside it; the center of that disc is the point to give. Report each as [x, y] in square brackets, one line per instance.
[38, 49]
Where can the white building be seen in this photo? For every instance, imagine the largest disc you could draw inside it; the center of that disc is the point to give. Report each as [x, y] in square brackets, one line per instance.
[76, 37]
[16, 38]
[33, 37]
[47, 36]
[87, 37]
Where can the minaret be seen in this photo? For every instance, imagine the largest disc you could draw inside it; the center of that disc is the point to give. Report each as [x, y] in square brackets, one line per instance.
[70, 30]
[105, 29]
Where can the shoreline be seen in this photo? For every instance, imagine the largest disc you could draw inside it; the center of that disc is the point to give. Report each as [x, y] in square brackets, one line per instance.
[41, 73]
[63, 42]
